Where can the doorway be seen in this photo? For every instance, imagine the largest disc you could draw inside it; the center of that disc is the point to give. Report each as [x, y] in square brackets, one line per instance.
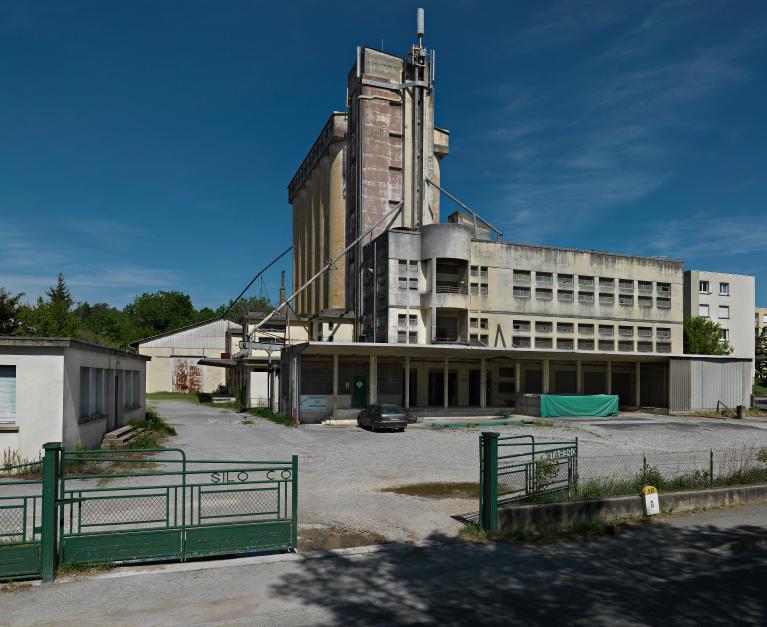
[359, 391]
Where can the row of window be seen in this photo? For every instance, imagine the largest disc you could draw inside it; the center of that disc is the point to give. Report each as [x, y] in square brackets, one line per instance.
[406, 283]
[524, 326]
[94, 391]
[704, 287]
[408, 265]
[407, 320]
[705, 311]
[525, 277]
[568, 296]
[586, 344]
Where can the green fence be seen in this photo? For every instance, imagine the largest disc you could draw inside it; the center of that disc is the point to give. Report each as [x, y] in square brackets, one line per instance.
[114, 506]
[515, 468]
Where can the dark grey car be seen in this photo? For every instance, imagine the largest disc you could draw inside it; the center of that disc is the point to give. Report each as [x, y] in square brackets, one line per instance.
[384, 417]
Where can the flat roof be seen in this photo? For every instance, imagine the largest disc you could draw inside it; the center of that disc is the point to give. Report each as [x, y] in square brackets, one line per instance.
[488, 352]
[64, 342]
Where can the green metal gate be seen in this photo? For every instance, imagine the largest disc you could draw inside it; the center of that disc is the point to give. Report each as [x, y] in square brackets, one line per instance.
[119, 506]
[516, 468]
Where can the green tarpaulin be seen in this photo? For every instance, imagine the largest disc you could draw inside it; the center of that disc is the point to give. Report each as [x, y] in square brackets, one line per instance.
[569, 406]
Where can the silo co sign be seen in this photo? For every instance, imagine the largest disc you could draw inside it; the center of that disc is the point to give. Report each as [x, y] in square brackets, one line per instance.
[226, 477]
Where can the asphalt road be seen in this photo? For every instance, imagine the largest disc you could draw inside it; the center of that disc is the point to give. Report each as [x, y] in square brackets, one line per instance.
[703, 569]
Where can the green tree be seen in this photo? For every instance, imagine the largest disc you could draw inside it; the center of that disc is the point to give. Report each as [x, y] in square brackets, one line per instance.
[761, 356]
[243, 306]
[52, 317]
[704, 337]
[159, 312]
[104, 324]
[10, 322]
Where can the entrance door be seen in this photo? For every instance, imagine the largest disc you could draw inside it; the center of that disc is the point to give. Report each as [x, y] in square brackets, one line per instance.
[452, 388]
[474, 387]
[436, 388]
[359, 391]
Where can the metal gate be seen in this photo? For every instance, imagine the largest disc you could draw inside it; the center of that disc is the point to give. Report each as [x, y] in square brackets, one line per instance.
[115, 506]
[515, 468]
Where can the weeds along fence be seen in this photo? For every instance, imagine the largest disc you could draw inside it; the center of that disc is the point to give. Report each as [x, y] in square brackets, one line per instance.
[519, 469]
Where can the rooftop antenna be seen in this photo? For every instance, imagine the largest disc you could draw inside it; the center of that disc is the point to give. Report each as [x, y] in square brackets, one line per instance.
[419, 26]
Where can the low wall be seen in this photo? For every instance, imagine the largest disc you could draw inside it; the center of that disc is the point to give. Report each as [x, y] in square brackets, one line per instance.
[569, 513]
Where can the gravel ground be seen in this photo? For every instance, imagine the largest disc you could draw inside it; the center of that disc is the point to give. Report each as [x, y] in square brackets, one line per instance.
[342, 469]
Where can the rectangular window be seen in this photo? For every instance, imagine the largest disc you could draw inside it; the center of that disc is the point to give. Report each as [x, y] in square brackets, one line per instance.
[724, 312]
[521, 276]
[483, 272]
[483, 323]
[401, 321]
[726, 335]
[401, 337]
[403, 265]
[7, 394]
[483, 289]
[543, 342]
[521, 326]
[626, 346]
[565, 343]
[724, 289]
[543, 294]
[644, 286]
[703, 287]
[626, 301]
[402, 282]
[565, 296]
[606, 284]
[663, 332]
[586, 345]
[606, 345]
[521, 292]
[586, 297]
[703, 311]
[663, 303]
[474, 271]
[520, 342]
[543, 327]
[413, 266]
[586, 329]
[473, 323]
[663, 288]
[662, 347]
[544, 278]
[413, 284]
[413, 320]
[606, 299]
[474, 289]
[644, 347]
[586, 281]
[645, 301]
[644, 331]
[606, 329]
[565, 280]
[626, 284]
[564, 327]
[626, 331]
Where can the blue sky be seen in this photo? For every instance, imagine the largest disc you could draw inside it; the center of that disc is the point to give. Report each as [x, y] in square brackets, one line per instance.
[148, 145]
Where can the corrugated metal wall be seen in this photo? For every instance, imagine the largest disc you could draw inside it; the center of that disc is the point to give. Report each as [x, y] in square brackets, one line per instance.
[211, 335]
[698, 383]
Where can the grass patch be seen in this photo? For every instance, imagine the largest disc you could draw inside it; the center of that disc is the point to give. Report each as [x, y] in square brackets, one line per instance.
[247, 421]
[200, 398]
[438, 490]
[760, 388]
[152, 432]
[272, 416]
[76, 569]
[581, 532]
[14, 586]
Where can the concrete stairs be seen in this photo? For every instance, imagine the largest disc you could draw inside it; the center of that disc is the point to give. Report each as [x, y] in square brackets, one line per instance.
[118, 437]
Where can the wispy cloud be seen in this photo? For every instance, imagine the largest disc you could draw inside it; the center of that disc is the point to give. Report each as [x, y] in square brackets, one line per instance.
[609, 129]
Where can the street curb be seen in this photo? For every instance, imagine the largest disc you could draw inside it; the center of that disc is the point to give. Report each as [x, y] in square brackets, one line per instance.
[235, 562]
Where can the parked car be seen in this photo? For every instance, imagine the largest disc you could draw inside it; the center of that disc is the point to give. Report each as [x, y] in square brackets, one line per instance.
[385, 417]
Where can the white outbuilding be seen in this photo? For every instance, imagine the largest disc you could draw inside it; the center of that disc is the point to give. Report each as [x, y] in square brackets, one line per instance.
[176, 355]
[64, 390]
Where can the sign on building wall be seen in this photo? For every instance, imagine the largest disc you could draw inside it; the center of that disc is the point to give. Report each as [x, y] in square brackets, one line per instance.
[187, 375]
[314, 402]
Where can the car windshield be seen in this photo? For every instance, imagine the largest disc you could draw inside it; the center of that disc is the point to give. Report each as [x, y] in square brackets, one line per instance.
[392, 409]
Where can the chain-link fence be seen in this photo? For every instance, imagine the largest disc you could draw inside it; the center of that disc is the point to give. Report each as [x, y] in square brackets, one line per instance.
[621, 475]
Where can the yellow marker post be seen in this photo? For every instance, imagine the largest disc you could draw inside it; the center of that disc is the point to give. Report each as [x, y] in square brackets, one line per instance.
[651, 500]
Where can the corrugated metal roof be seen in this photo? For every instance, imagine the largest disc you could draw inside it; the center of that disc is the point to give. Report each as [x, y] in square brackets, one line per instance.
[210, 334]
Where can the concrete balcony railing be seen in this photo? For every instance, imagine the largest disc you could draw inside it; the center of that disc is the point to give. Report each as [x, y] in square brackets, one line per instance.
[452, 288]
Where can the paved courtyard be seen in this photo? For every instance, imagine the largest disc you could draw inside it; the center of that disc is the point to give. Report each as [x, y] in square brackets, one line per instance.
[343, 469]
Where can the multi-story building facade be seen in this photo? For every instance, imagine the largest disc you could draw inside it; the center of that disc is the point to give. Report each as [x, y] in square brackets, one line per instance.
[729, 300]
[438, 314]
[760, 319]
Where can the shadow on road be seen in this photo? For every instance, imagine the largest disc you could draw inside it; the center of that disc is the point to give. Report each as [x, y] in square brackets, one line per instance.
[656, 574]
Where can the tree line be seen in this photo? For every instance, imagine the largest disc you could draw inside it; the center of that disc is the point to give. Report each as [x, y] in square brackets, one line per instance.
[59, 314]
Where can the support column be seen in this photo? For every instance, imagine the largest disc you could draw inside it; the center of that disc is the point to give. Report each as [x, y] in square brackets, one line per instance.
[334, 402]
[636, 385]
[578, 377]
[483, 383]
[545, 376]
[444, 384]
[49, 511]
[609, 377]
[373, 380]
[517, 377]
[407, 382]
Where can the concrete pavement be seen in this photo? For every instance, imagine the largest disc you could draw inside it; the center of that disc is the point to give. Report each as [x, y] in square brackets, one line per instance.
[708, 568]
